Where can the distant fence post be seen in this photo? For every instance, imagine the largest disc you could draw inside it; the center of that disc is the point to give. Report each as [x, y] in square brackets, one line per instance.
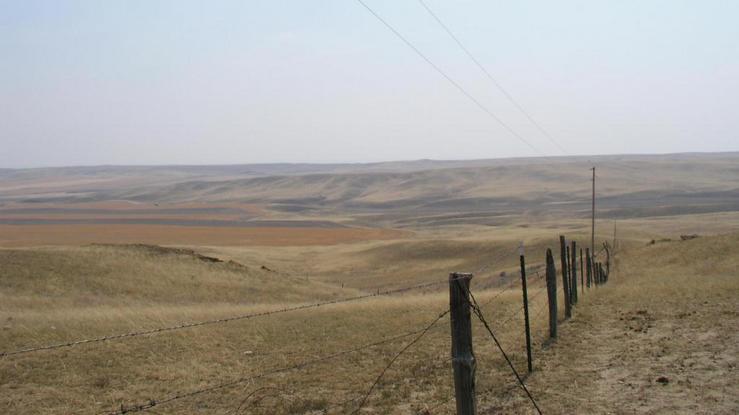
[604, 273]
[573, 273]
[588, 266]
[565, 279]
[551, 275]
[582, 275]
[463, 358]
[527, 328]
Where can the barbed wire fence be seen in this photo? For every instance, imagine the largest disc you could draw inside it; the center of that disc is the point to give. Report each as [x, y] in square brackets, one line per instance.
[498, 313]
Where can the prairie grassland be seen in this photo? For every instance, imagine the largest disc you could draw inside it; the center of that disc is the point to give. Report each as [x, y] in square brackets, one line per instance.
[93, 378]
[661, 337]
[56, 294]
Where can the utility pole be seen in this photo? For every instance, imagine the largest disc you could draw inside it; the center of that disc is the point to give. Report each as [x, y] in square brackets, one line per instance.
[592, 225]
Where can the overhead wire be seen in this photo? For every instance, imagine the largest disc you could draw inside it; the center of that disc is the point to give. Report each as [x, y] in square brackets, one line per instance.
[459, 87]
[492, 79]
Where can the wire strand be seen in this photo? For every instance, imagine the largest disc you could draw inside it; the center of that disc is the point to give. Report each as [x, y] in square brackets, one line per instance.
[151, 403]
[392, 361]
[492, 79]
[478, 312]
[216, 321]
[448, 78]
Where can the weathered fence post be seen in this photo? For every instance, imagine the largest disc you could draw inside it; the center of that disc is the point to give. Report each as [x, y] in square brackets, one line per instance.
[565, 279]
[608, 259]
[463, 358]
[588, 266]
[603, 273]
[551, 275]
[573, 274]
[595, 273]
[527, 328]
[582, 275]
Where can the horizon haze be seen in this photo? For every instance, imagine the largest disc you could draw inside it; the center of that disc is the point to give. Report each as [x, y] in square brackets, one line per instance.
[153, 83]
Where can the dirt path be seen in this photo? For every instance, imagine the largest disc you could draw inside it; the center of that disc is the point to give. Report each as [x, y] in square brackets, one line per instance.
[660, 341]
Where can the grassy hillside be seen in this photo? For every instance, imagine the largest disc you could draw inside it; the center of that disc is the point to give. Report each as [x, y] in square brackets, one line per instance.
[628, 186]
[659, 338]
[688, 289]
[140, 275]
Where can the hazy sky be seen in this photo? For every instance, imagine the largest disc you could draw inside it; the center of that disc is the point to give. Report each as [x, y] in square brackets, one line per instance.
[201, 82]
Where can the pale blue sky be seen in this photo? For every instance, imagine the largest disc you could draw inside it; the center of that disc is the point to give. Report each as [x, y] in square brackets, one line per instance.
[196, 82]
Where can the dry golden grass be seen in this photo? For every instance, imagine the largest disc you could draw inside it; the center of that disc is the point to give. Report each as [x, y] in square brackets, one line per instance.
[56, 294]
[98, 290]
[669, 311]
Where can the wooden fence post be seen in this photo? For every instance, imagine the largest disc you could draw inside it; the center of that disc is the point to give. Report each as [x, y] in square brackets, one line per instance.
[582, 275]
[551, 275]
[608, 259]
[603, 273]
[527, 328]
[573, 273]
[463, 358]
[588, 266]
[565, 279]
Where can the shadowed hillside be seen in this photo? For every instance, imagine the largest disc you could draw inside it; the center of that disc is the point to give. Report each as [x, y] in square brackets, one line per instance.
[411, 193]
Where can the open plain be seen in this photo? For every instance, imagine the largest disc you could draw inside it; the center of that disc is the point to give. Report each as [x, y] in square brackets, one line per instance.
[91, 252]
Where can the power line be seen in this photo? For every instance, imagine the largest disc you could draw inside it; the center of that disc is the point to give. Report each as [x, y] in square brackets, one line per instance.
[491, 78]
[448, 78]
[216, 321]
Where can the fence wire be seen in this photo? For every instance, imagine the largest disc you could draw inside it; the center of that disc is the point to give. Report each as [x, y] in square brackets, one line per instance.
[151, 403]
[216, 321]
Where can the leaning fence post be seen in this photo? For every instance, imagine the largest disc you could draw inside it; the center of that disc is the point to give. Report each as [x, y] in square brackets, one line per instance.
[565, 279]
[551, 275]
[463, 358]
[527, 328]
[573, 273]
[588, 266]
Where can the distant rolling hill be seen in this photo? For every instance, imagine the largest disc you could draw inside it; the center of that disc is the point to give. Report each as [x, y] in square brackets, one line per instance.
[627, 186]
